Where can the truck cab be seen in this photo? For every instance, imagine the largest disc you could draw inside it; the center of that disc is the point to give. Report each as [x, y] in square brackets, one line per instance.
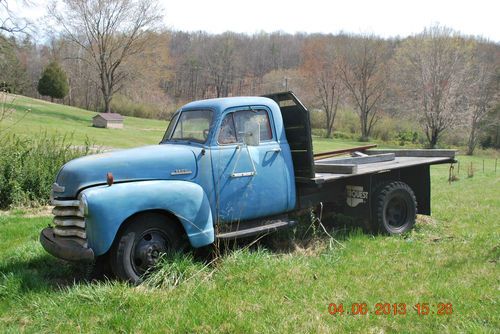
[225, 168]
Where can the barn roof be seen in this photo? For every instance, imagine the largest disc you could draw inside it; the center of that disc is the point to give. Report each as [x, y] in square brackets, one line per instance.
[110, 116]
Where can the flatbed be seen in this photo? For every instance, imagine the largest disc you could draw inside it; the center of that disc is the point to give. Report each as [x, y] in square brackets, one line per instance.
[402, 159]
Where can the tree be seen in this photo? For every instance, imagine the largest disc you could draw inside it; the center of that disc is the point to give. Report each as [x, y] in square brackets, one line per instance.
[482, 91]
[491, 129]
[432, 75]
[13, 77]
[53, 82]
[110, 32]
[364, 73]
[9, 21]
[220, 63]
[320, 67]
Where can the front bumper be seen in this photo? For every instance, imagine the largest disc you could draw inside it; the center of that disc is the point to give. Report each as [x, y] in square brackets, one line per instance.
[64, 249]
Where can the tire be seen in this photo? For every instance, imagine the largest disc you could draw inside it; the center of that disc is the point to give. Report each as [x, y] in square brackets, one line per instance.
[140, 244]
[99, 269]
[394, 209]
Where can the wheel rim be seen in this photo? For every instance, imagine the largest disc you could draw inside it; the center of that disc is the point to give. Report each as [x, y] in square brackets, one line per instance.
[147, 250]
[396, 212]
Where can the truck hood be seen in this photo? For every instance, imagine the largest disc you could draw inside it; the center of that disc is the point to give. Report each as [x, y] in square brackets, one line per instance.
[156, 162]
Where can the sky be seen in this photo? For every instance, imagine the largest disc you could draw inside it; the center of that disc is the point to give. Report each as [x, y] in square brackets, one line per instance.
[386, 18]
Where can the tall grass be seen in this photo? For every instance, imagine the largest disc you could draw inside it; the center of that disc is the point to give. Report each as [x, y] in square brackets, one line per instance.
[28, 167]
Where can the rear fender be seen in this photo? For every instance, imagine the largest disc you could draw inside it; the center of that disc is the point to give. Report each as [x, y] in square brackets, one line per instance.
[110, 206]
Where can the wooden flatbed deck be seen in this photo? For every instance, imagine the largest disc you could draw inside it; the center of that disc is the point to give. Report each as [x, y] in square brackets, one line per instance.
[402, 159]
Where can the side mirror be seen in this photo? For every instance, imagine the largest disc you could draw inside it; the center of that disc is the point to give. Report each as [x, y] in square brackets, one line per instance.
[251, 136]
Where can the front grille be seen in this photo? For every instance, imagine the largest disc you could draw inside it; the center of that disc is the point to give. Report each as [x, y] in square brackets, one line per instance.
[69, 221]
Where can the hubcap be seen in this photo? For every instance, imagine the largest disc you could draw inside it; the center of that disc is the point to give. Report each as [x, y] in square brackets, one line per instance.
[396, 212]
[148, 249]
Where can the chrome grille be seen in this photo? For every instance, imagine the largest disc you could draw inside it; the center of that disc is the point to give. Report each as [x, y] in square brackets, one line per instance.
[69, 221]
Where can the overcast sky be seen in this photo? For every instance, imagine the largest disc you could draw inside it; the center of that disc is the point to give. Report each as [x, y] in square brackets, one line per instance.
[381, 17]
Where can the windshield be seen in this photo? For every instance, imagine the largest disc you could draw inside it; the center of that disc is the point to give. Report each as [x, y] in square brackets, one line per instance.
[191, 125]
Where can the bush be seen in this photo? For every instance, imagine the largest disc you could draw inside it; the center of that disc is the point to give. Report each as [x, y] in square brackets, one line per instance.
[486, 142]
[28, 167]
[125, 106]
[407, 136]
[318, 119]
[347, 121]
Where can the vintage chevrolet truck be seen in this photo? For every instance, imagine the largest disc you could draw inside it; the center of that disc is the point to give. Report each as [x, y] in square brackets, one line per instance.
[226, 168]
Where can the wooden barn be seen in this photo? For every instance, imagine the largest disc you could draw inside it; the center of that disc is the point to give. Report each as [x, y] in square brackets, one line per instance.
[108, 120]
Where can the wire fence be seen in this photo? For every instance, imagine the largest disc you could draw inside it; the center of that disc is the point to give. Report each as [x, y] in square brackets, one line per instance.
[484, 166]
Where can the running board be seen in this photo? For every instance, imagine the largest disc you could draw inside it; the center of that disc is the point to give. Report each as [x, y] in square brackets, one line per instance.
[247, 231]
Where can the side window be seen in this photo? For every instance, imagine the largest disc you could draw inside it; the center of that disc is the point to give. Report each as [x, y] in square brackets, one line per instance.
[243, 118]
[227, 134]
[235, 124]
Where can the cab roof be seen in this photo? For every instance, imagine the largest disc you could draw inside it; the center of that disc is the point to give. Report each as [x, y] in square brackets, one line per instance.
[221, 104]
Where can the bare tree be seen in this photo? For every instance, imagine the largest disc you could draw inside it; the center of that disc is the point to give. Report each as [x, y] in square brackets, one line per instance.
[364, 73]
[110, 32]
[220, 63]
[482, 91]
[320, 67]
[432, 75]
[9, 21]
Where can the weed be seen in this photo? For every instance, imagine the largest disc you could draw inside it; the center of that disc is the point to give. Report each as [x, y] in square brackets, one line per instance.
[28, 167]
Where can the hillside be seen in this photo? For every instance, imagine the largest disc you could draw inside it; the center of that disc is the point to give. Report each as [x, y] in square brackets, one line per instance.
[63, 120]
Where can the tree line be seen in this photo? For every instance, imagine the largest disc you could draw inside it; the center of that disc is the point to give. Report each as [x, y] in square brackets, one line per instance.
[117, 56]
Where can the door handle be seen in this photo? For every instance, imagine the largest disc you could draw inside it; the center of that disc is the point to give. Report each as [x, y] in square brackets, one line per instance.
[275, 150]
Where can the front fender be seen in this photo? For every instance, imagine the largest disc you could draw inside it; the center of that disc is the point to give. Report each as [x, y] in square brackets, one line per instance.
[110, 206]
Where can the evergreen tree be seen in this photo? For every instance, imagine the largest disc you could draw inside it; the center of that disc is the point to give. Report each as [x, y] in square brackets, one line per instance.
[53, 82]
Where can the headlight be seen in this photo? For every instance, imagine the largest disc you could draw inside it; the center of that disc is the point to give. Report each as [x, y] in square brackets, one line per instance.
[82, 206]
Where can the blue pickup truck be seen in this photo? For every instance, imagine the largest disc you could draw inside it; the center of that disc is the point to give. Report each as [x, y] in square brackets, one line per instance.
[226, 168]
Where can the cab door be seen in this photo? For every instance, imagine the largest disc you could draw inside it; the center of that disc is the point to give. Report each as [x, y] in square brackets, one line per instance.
[250, 181]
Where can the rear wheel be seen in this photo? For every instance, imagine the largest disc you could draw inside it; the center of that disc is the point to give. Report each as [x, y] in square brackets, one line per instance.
[141, 244]
[395, 208]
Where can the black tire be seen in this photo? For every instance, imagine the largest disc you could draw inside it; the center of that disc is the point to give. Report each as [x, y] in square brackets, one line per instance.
[394, 208]
[100, 269]
[140, 244]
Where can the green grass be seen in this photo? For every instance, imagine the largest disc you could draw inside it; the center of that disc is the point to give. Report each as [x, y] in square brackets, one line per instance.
[60, 119]
[285, 283]
[285, 288]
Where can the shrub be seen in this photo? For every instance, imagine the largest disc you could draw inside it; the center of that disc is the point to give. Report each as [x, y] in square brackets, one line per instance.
[28, 167]
[347, 121]
[342, 135]
[125, 106]
[318, 120]
[407, 136]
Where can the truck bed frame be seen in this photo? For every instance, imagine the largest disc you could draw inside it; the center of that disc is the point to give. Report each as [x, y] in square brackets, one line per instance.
[325, 180]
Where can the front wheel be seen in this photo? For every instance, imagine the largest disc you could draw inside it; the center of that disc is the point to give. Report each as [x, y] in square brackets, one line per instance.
[394, 208]
[141, 244]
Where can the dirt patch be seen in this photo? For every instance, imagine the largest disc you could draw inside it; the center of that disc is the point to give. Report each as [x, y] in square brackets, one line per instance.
[426, 220]
[42, 211]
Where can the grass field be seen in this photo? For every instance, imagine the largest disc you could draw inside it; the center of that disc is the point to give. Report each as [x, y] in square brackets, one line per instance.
[283, 283]
[63, 120]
